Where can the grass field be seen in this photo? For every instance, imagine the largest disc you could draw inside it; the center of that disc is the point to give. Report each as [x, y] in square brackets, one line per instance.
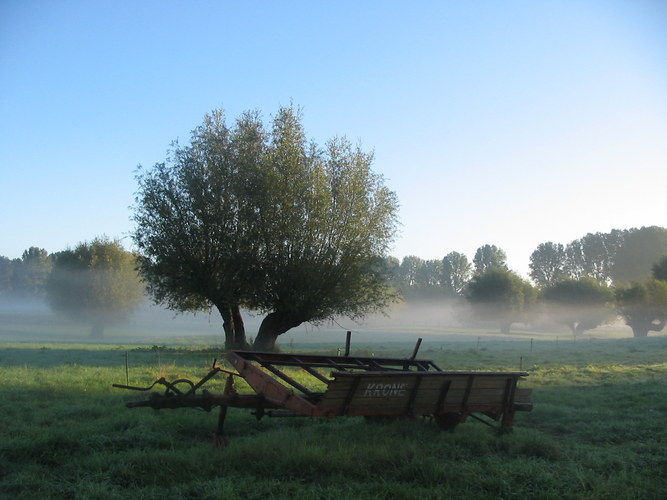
[598, 428]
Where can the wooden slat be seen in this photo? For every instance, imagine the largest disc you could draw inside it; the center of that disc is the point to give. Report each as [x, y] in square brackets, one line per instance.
[416, 392]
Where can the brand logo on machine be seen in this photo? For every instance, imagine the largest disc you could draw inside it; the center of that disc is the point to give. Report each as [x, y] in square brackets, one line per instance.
[385, 390]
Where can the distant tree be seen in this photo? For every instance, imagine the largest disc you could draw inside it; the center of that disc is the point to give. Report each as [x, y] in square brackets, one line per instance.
[456, 271]
[429, 277]
[593, 255]
[574, 260]
[265, 220]
[548, 263]
[581, 304]
[392, 268]
[641, 249]
[409, 274]
[489, 256]
[96, 283]
[643, 305]
[501, 296]
[6, 273]
[421, 279]
[659, 269]
[31, 272]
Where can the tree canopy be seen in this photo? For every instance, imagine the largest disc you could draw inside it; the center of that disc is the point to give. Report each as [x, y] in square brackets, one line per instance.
[96, 283]
[659, 269]
[547, 263]
[501, 296]
[264, 219]
[640, 250]
[489, 256]
[581, 304]
[643, 305]
[618, 257]
[31, 272]
[456, 270]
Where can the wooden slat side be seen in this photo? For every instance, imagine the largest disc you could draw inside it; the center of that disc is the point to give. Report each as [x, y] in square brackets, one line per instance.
[522, 400]
[394, 393]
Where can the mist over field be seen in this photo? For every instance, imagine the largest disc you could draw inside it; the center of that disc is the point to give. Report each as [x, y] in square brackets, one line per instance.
[27, 320]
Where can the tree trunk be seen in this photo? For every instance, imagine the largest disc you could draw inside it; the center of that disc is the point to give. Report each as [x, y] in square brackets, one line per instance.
[240, 341]
[232, 324]
[580, 329]
[274, 324]
[641, 329]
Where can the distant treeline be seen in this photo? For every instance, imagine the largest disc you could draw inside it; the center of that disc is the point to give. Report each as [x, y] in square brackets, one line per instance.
[582, 285]
[615, 258]
[618, 257]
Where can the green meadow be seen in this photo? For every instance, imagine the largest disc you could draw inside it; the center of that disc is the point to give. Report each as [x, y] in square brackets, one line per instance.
[597, 430]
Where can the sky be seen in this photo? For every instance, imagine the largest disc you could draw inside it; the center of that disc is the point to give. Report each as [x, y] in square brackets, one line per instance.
[507, 123]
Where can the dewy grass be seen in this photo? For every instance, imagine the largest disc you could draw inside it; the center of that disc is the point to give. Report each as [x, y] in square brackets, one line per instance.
[596, 431]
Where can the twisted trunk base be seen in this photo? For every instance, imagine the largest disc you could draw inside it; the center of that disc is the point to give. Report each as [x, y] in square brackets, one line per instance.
[273, 325]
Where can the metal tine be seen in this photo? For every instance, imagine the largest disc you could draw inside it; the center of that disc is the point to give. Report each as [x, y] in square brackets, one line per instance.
[286, 378]
[311, 370]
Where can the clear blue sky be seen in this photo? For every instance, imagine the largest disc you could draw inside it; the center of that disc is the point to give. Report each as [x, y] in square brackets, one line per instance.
[511, 123]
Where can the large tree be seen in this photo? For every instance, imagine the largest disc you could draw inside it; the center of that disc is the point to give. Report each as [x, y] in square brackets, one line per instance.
[95, 283]
[245, 217]
[581, 304]
[500, 296]
[643, 305]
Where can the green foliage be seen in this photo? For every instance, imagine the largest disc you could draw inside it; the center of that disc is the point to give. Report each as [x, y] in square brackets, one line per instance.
[501, 296]
[96, 283]
[420, 279]
[6, 273]
[266, 220]
[456, 272]
[489, 256]
[640, 250]
[594, 255]
[620, 256]
[643, 305]
[581, 304]
[591, 256]
[659, 269]
[547, 263]
[30, 274]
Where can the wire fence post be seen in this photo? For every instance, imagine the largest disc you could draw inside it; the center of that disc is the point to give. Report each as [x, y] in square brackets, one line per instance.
[127, 368]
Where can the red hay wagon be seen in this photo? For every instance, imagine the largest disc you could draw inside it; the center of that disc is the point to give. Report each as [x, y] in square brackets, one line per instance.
[350, 386]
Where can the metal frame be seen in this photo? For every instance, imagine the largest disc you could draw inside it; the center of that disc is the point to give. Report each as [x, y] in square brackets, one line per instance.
[353, 386]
